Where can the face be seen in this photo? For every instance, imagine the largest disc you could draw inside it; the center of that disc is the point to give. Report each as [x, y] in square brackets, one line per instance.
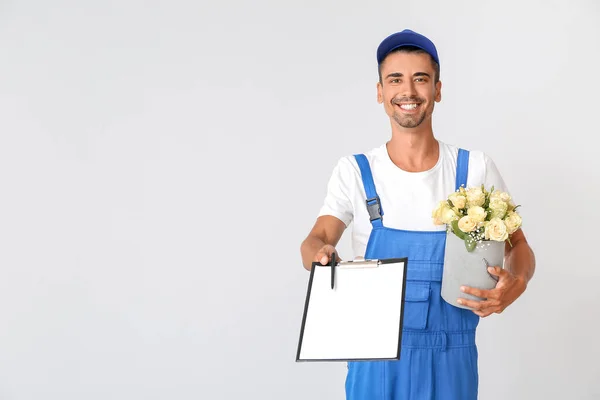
[408, 90]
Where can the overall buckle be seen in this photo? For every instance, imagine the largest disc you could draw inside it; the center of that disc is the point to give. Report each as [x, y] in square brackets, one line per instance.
[374, 208]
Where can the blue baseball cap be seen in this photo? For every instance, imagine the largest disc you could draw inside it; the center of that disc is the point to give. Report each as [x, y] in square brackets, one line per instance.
[406, 38]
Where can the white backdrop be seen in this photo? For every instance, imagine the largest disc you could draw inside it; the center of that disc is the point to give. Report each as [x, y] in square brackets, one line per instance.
[160, 163]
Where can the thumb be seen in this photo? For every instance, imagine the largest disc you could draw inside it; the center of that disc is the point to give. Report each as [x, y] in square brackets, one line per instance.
[497, 271]
[324, 254]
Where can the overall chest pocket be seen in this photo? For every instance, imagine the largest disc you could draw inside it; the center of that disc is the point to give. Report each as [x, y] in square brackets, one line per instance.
[416, 305]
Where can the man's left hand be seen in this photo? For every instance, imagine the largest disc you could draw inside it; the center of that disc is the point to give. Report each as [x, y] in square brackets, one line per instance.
[507, 290]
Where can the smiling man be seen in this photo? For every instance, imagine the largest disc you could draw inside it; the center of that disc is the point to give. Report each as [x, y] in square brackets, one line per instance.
[388, 193]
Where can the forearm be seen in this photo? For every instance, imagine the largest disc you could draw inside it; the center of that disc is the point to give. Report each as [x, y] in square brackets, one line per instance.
[321, 241]
[520, 260]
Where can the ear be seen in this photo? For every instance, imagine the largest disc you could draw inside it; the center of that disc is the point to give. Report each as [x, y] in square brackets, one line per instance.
[379, 93]
[438, 91]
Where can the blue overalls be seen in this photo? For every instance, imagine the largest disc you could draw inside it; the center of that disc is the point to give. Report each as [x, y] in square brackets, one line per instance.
[438, 358]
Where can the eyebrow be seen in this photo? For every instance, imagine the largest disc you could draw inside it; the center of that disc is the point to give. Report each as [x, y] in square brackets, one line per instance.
[400, 75]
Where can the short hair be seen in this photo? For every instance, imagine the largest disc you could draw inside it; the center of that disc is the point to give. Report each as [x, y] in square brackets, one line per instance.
[413, 49]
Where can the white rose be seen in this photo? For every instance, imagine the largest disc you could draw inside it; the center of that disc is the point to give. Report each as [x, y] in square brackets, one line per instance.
[458, 200]
[448, 215]
[495, 229]
[513, 222]
[477, 213]
[467, 224]
[436, 214]
[475, 197]
[498, 208]
[443, 214]
[505, 197]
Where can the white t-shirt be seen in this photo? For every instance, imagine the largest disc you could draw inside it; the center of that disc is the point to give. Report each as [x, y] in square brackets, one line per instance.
[407, 198]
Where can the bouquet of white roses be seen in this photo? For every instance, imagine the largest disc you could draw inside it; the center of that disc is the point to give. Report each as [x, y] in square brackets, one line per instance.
[476, 215]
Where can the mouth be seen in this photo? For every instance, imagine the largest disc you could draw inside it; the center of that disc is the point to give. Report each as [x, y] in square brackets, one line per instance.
[408, 107]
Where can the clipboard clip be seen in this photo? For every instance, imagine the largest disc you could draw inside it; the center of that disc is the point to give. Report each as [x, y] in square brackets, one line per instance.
[350, 264]
[360, 264]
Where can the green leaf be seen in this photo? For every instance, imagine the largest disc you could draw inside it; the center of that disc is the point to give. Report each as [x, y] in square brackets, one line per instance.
[457, 230]
[450, 203]
[486, 204]
[470, 244]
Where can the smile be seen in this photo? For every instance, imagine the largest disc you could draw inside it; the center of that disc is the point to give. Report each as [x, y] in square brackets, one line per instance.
[408, 106]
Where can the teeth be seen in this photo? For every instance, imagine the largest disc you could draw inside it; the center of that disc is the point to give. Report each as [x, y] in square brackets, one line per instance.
[408, 106]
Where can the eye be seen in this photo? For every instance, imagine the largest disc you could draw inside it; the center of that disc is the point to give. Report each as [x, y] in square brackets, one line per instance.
[395, 81]
[420, 79]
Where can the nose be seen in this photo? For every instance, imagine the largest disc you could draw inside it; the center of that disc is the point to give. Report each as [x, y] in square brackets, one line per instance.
[408, 89]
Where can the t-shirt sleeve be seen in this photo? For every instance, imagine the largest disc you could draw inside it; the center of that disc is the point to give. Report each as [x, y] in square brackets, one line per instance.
[493, 176]
[340, 190]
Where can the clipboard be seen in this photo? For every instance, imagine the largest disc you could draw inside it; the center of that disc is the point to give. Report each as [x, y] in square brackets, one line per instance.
[353, 311]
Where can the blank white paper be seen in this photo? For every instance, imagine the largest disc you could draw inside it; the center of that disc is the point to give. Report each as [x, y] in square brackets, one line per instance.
[359, 318]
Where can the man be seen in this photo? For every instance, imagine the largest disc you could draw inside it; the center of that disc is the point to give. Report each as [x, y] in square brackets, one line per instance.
[389, 193]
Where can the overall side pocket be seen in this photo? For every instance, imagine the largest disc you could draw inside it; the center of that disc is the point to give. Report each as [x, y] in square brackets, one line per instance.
[416, 305]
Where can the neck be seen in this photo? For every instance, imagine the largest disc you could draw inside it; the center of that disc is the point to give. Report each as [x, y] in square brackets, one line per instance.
[415, 149]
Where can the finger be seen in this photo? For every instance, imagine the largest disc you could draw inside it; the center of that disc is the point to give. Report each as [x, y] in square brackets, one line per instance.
[325, 257]
[492, 294]
[499, 272]
[473, 304]
[322, 257]
[480, 305]
[484, 294]
[324, 254]
[483, 314]
[489, 311]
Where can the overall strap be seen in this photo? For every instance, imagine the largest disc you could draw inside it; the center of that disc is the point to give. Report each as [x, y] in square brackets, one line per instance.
[462, 168]
[373, 202]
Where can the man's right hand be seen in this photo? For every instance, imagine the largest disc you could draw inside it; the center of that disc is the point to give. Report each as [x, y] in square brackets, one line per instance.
[324, 254]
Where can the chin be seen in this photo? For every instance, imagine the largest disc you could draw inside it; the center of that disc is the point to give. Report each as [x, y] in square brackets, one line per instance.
[409, 122]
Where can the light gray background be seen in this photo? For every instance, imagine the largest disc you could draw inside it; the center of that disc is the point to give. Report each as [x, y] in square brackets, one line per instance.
[160, 163]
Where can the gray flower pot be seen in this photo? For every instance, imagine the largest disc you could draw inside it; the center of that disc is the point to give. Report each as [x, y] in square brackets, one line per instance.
[464, 268]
